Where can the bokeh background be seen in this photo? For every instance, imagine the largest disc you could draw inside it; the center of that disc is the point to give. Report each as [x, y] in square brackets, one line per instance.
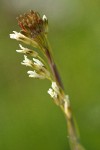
[29, 120]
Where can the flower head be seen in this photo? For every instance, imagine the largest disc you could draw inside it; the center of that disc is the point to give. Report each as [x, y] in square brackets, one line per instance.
[32, 24]
[33, 32]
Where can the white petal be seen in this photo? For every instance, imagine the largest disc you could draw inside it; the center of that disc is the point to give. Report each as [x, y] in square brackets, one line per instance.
[44, 18]
[12, 36]
[55, 87]
[34, 74]
[26, 61]
[20, 37]
[19, 51]
[16, 35]
[21, 47]
[38, 62]
[31, 73]
[52, 93]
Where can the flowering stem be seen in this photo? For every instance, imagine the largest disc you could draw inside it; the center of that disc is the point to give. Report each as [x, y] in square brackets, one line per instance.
[34, 31]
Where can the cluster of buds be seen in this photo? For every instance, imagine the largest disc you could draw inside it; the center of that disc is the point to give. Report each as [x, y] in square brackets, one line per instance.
[32, 24]
[33, 29]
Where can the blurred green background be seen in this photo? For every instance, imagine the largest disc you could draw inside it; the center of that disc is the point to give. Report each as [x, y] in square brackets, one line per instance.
[28, 117]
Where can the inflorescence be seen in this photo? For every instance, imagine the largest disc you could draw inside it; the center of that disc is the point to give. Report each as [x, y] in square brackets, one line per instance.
[33, 32]
[34, 29]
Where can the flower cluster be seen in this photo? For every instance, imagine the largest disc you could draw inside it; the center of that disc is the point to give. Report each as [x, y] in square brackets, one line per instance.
[33, 29]
[39, 69]
[58, 96]
[54, 90]
[33, 32]
[32, 24]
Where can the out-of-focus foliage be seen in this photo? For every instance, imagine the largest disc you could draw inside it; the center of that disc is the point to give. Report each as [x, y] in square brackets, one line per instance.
[28, 117]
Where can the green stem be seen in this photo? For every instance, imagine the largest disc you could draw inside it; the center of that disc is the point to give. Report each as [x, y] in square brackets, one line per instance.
[73, 132]
[72, 129]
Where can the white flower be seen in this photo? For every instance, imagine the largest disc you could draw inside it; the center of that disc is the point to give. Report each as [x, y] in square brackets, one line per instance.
[52, 93]
[38, 63]
[54, 90]
[23, 49]
[20, 37]
[34, 74]
[38, 66]
[27, 62]
[16, 35]
[44, 18]
[55, 87]
[27, 51]
[66, 102]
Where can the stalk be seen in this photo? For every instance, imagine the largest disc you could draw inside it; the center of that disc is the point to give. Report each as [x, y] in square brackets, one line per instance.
[73, 134]
[33, 32]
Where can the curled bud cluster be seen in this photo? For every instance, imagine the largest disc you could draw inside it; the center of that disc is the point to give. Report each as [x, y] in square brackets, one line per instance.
[33, 30]
[32, 24]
